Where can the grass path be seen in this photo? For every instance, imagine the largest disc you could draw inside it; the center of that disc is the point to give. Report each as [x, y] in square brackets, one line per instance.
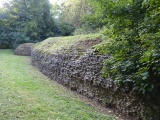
[25, 94]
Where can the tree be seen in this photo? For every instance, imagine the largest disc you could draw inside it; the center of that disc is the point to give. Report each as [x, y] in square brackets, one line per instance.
[70, 16]
[29, 21]
[135, 30]
[4, 29]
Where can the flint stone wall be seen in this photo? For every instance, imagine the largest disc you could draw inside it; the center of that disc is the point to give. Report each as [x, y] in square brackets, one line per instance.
[24, 49]
[84, 75]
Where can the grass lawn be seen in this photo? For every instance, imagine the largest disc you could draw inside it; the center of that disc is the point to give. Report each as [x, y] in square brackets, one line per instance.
[26, 94]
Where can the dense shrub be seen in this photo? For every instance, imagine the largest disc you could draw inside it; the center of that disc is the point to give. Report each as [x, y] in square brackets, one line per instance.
[135, 46]
[63, 28]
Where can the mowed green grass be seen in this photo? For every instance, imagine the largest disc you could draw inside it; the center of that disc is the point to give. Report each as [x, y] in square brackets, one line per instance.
[26, 94]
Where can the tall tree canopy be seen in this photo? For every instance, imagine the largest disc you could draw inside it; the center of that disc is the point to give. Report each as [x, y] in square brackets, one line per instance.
[71, 16]
[25, 21]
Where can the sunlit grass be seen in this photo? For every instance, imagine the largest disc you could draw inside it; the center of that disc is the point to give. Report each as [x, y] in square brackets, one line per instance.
[25, 94]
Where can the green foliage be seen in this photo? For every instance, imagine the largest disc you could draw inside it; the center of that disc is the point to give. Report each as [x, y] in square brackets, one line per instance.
[85, 29]
[63, 28]
[72, 11]
[135, 47]
[70, 17]
[25, 21]
[96, 16]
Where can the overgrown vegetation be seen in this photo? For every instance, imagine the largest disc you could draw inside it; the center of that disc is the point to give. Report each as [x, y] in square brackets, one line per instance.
[134, 26]
[66, 44]
[27, 94]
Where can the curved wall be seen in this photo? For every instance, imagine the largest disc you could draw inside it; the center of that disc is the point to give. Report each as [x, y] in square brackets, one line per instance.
[84, 75]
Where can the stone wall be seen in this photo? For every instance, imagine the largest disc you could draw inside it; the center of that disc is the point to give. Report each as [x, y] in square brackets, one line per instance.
[84, 75]
[24, 49]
